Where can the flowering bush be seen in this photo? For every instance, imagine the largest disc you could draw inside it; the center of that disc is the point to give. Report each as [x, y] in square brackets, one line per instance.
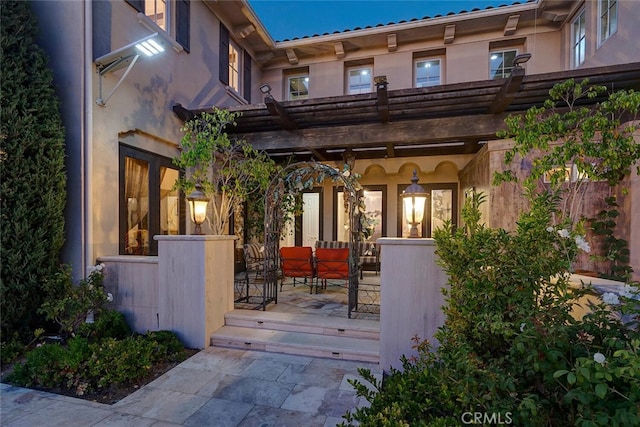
[68, 304]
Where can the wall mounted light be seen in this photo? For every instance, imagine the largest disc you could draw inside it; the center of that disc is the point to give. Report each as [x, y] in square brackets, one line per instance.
[349, 158]
[127, 56]
[198, 206]
[265, 89]
[521, 59]
[414, 198]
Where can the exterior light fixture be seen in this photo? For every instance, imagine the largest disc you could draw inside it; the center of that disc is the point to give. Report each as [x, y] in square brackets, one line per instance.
[127, 56]
[265, 89]
[521, 59]
[198, 206]
[414, 198]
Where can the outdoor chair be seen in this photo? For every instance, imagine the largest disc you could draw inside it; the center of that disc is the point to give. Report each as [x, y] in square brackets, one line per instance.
[297, 262]
[331, 264]
[254, 258]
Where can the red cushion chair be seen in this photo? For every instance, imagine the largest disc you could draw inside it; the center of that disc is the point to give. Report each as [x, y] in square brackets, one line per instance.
[297, 262]
[332, 263]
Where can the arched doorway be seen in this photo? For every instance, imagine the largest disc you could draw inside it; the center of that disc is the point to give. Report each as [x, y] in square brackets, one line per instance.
[280, 203]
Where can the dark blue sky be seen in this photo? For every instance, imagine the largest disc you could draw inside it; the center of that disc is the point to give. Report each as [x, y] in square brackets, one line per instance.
[288, 19]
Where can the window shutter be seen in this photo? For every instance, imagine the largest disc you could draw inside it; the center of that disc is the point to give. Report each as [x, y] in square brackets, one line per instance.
[137, 4]
[224, 55]
[246, 77]
[182, 23]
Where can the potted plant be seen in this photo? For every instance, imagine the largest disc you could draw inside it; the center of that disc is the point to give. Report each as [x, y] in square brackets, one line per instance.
[228, 170]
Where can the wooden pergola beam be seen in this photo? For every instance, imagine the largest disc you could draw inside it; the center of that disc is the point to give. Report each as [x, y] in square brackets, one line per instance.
[423, 131]
[279, 114]
[508, 91]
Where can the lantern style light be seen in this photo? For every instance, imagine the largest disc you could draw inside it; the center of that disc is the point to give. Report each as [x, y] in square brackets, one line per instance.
[414, 198]
[198, 206]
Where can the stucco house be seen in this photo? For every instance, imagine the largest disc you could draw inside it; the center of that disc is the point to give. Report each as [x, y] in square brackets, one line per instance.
[428, 94]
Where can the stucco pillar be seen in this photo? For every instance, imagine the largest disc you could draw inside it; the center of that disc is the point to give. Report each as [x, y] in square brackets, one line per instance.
[195, 285]
[410, 297]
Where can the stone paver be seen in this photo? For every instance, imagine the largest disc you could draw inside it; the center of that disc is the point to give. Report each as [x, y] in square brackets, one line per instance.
[216, 387]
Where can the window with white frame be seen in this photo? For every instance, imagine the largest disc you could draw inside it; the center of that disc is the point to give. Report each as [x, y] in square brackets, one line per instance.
[608, 22]
[234, 66]
[579, 39]
[359, 80]
[427, 72]
[298, 87]
[501, 63]
[172, 16]
[159, 12]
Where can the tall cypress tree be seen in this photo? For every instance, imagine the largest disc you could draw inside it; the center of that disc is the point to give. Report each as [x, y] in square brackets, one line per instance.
[32, 171]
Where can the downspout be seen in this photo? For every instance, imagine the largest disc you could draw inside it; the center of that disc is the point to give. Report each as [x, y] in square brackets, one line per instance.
[86, 149]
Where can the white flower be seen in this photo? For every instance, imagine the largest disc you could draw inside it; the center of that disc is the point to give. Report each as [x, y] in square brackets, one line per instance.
[610, 298]
[102, 265]
[599, 357]
[346, 173]
[628, 291]
[550, 229]
[522, 325]
[98, 267]
[583, 245]
[91, 269]
[109, 297]
[563, 233]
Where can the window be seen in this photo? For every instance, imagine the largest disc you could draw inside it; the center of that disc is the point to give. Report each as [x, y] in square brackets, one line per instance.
[501, 63]
[427, 72]
[375, 201]
[442, 205]
[608, 23]
[298, 87]
[164, 12]
[359, 80]
[148, 203]
[235, 66]
[579, 39]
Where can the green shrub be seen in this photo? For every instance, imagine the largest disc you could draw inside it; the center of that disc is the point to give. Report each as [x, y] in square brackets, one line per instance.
[32, 188]
[167, 346]
[53, 366]
[68, 304]
[120, 361]
[108, 324]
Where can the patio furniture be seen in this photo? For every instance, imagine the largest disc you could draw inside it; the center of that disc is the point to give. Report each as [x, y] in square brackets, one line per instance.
[369, 253]
[331, 263]
[254, 258]
[297, 262]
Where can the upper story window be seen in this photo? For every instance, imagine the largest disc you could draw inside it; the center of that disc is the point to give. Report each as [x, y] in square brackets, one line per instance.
[427, 72]
[359, 80]
[608, 23]
[579, 40]
[501, 63]
[158, 11]
[298, 87]
[172, 16]
[234, 66]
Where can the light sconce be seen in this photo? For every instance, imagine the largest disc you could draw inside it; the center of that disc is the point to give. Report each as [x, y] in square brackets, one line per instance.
[198, 206]
[521, 59]
[349, 158]
[414, 198]
[265, 89]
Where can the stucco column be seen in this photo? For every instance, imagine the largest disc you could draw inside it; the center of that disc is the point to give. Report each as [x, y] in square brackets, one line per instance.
[195, 285]
[410, 297]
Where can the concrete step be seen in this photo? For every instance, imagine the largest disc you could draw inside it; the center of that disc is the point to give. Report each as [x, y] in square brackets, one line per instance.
[304, 323]
[298, 343]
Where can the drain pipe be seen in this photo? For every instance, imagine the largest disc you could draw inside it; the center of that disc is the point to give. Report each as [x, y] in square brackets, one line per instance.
[86, 148]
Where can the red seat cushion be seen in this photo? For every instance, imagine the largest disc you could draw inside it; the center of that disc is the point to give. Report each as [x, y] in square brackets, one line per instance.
[296, 261]
[332, 263]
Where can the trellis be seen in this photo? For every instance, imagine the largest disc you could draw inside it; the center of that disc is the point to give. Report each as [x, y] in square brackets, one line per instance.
[280, 205]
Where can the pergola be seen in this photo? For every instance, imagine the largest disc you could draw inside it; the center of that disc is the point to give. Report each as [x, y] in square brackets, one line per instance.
[441, 120]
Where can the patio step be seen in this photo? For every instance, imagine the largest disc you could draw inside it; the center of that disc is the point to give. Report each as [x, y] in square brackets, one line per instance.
[300, 334]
